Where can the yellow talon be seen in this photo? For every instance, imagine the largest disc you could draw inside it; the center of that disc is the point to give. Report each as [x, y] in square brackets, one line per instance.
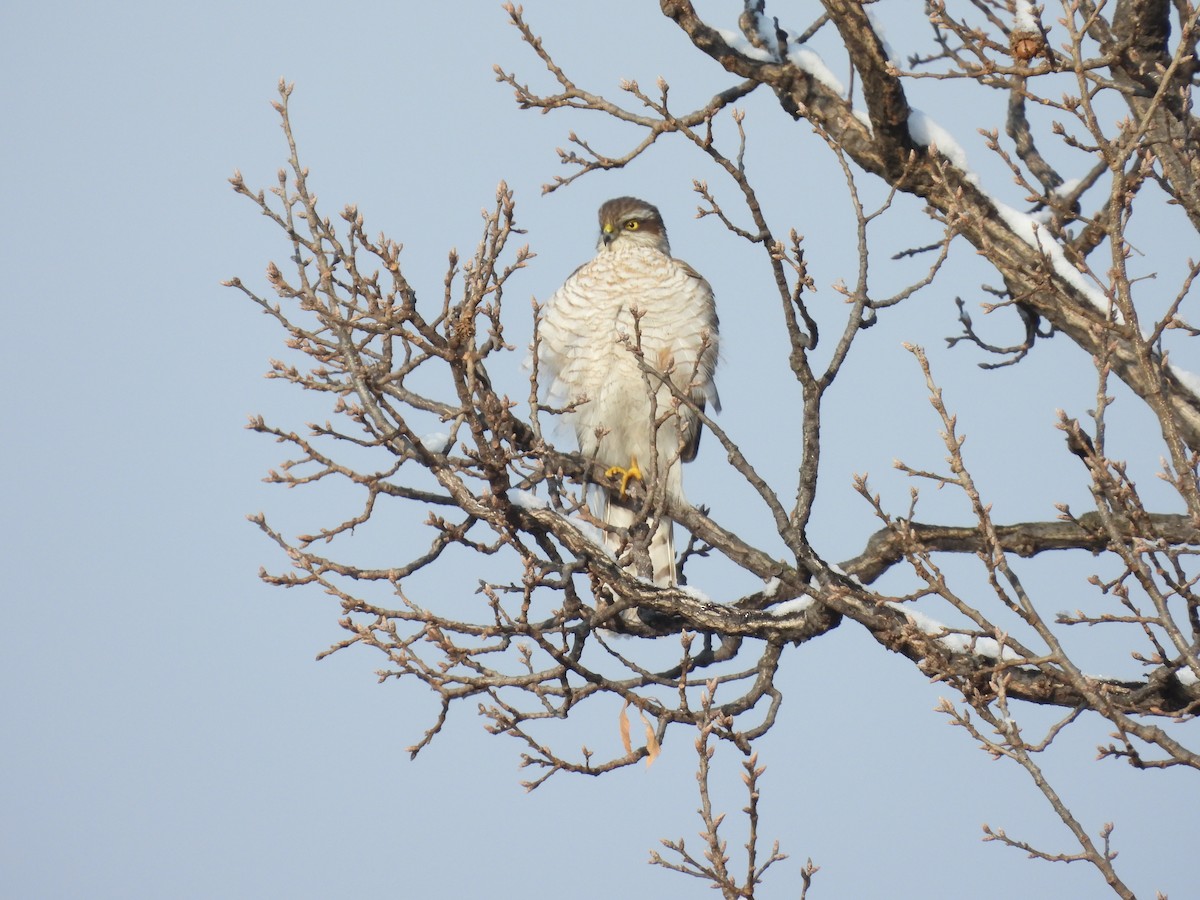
[627, 475]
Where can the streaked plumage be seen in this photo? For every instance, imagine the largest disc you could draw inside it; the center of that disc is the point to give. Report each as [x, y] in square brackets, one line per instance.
[584, 352]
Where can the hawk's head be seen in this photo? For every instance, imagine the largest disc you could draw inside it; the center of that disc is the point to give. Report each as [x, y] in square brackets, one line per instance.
[630, 222]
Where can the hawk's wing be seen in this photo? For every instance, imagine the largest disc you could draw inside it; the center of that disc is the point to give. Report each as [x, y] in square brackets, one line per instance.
[705, 390]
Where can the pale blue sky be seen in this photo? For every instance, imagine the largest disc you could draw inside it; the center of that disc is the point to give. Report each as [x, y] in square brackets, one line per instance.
[167, 731]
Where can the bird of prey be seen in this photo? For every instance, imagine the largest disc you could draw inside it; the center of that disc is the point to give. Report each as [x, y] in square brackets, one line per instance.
[633, 301]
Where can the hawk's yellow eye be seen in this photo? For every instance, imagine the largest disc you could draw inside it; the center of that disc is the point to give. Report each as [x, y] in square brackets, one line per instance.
[633, 224]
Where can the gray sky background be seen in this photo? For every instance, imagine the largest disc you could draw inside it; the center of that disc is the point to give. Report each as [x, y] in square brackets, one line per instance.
[167, 731]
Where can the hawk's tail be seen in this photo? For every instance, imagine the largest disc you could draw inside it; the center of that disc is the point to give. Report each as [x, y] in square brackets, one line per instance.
[662, 540]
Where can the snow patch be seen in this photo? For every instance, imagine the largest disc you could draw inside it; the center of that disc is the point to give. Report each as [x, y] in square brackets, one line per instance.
[766, 33]
[1028, 229]
[1189, 380]
[437, 442]
[877, 27]
[799, 604]
[981, 646]
[956, 643]
[1023, 17]
[738, 42]
[927, 132]
[811, 62]
[524, 499]
[1067, 186]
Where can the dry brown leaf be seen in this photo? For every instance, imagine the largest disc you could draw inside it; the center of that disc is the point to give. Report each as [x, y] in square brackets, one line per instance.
[624, 720]
[651, 741]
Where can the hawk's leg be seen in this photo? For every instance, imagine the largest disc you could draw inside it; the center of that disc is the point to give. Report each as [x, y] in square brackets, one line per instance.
[627, 475]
